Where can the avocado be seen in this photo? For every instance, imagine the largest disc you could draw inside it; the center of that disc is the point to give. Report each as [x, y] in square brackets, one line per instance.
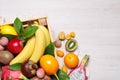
[71, 45]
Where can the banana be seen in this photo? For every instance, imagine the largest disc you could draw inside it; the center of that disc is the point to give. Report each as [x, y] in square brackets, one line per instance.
[46, 32]
[26, 52]
[40, 45]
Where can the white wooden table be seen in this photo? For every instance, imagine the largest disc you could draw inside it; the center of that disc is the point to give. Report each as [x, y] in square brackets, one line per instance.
[96, 23]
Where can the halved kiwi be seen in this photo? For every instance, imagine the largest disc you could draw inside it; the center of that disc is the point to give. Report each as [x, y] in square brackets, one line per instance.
[71, 45]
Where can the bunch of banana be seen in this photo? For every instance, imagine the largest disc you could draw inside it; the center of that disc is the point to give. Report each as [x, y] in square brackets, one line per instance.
[42, 40]
[35, 47]
[45, 31]
[40, 45]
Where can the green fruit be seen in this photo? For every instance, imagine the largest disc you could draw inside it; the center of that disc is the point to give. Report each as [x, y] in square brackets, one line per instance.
[71, 45]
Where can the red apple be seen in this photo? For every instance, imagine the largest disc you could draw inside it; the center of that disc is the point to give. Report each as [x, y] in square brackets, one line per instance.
[15, 46]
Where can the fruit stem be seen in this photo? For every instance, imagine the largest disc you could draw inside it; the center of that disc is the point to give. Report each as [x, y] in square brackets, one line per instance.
[56, 76]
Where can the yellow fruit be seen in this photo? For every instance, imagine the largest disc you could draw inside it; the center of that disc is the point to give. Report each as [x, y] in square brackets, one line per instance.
[61, 36]
[6, 29]
[59, 53]
[72, 34]
[49, 64]
[46, 33]
[71, 60]
[67, 37]
[64, 68]
[39, 46]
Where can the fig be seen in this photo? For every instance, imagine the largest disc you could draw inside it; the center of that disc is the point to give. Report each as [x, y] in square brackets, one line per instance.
[71, 45]
[29, 68]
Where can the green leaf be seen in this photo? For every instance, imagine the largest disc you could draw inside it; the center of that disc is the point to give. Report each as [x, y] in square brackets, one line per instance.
[29, 31]
[50, 49]
[21, 37]
[18, 25]
[62, 75]
[16, 66]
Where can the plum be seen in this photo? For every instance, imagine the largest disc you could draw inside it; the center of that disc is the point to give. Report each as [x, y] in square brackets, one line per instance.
[29, 68]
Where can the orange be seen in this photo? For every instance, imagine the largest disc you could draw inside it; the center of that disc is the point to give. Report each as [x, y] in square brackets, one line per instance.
[59, 53]
[50, 64]
[71, 60]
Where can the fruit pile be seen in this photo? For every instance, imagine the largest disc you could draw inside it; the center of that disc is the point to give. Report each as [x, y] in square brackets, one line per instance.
[70, 62]
[28, 53]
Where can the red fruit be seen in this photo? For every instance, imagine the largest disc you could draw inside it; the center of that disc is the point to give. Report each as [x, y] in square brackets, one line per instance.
[40, 73]
[15, 46]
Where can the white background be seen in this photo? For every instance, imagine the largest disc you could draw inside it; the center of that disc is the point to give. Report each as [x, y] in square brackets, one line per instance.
[96, 23]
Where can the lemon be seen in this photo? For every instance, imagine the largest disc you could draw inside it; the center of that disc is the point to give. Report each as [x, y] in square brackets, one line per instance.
[7, 29]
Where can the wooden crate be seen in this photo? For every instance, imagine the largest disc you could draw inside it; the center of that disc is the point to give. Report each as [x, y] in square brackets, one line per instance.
[41, 20]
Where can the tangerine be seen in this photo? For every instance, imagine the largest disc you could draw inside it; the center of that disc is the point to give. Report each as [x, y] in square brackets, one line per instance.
[50, 64]
[59, 53]
[71, 60]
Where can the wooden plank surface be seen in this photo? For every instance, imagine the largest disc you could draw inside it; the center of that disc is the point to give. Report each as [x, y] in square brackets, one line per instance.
[96, 23]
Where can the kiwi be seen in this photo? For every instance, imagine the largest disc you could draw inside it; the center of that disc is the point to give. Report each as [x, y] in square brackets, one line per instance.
[6, 57]
[71, 45]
